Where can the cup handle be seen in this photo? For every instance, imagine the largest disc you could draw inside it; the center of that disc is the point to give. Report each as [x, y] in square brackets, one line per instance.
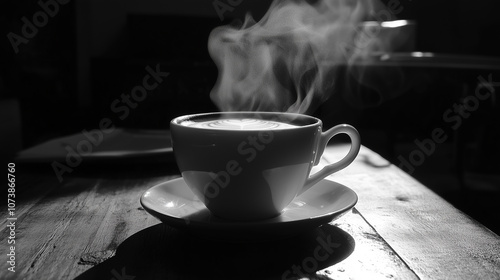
[341, 164]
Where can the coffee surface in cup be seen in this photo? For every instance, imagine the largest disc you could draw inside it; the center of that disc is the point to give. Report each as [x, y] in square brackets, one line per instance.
[239, 124]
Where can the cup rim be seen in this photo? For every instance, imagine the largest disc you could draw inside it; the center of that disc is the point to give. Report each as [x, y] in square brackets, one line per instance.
[177, 120]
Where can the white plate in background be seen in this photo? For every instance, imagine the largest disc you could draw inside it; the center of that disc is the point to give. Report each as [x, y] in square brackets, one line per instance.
[118, 144]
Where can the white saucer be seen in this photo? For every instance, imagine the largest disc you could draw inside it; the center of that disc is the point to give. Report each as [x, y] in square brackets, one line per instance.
[175, 204]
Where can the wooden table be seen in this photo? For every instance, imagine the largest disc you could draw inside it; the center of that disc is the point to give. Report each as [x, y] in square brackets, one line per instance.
[92, 226]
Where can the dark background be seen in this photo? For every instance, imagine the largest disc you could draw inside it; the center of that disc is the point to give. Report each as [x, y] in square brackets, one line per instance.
[66, 77]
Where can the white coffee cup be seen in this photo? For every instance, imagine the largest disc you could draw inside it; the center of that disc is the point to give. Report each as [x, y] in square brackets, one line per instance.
[250, 165]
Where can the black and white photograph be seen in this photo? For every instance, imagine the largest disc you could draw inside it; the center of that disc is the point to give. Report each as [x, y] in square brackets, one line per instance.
[250, 139]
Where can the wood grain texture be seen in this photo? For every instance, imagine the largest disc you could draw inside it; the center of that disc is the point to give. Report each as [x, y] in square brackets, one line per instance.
[434, 239]
[373, 257]
[91, 226]
[58, 223]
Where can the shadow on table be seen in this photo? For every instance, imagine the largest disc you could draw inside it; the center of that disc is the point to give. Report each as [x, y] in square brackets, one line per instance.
[160, 252]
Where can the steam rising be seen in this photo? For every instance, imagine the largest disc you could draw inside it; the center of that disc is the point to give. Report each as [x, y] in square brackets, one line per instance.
[286, 62]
